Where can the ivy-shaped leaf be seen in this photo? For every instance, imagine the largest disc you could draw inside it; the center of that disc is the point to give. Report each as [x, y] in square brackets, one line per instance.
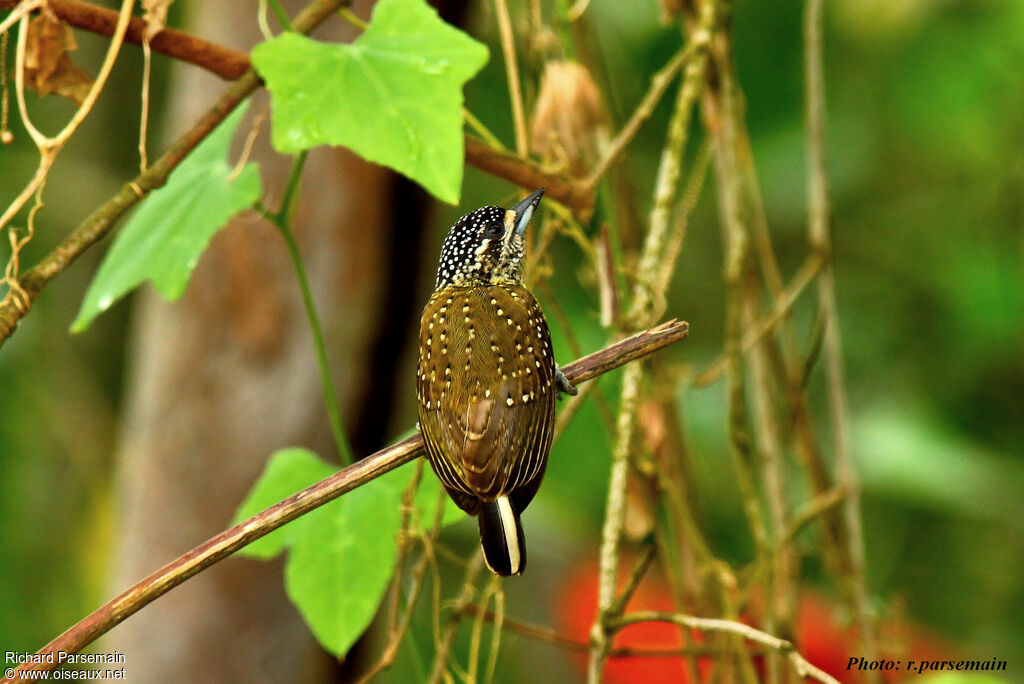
[394, 95]
[163, 240]
[341, 555]
[340, 565]
[287, 471]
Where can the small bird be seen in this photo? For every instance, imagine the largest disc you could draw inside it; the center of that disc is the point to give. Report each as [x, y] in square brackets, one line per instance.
[486, 381]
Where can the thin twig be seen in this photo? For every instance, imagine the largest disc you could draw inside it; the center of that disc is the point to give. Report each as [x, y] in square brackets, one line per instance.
[282, 220]
[50, 147]
[493, 588]
[480, 129]
[398, 628]
[462, 603]
[515, 90]
[806, 514]
[554, 637]
[499, 624]
[17, 303]
[633, 583]
[21, 9]
[800, 664]
[818, 233]
[607, 284]
[223, 61]
[754, 333]
[659, 84]
[147, 69]
[227, 542]
[642, 306]
[780, 586]
[522, 172]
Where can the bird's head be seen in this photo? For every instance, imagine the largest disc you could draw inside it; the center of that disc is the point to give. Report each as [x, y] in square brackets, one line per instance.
[485, 247]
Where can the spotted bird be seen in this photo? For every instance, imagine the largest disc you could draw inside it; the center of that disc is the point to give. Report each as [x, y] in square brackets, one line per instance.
[486, 380]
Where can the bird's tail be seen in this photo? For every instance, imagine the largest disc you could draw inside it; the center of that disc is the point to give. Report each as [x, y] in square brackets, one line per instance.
[501, 535]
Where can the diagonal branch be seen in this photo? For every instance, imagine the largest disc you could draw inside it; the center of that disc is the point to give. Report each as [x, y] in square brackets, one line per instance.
[226, 62]
[102, 220]
[216, 549]
[800, 665]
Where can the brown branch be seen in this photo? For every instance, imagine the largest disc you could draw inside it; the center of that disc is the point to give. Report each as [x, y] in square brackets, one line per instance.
[226, 62]
[800, 664]
[820, 504]
[528, 174]
[13, 308]
[231, 64]
[227, 542]
[555, 638]
[818, 234]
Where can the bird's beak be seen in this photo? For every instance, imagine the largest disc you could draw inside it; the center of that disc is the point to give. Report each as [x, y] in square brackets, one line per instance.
[524, 211]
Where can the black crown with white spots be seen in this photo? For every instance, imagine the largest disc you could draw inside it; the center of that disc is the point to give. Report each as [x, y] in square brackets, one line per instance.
[473, 249]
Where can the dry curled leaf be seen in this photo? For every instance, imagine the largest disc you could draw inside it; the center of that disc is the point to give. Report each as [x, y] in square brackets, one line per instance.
[155, 16]
[48, 68]
[569, 120]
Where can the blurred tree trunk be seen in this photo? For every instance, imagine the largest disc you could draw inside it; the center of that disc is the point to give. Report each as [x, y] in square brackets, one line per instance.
[222, 378]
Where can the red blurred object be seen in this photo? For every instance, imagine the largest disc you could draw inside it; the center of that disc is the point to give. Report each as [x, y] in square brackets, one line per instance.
[820, 637]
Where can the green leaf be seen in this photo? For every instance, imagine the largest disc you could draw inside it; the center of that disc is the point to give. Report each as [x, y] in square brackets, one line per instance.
[342, 555]
[340, 565]
[163, 240]
[394, 95]
[288, 471]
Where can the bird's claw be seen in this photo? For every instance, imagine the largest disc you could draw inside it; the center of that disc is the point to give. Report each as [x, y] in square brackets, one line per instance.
[564, 384]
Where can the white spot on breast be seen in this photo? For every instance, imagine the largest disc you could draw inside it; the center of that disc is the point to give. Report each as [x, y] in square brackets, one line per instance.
[526, 398]
[509, 401]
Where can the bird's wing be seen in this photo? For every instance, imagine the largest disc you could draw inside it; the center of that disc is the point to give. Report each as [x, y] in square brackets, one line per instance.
[486, 389]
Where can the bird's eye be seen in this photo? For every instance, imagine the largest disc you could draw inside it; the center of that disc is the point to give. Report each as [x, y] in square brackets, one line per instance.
[494, 229]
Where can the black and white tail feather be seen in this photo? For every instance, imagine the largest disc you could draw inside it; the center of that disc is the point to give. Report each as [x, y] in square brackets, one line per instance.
[501, 535]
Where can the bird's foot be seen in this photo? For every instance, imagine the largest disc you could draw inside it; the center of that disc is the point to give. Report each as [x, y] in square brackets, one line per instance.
[564, 384]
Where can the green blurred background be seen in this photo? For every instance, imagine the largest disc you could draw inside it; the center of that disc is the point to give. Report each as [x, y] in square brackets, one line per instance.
[926, 154]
